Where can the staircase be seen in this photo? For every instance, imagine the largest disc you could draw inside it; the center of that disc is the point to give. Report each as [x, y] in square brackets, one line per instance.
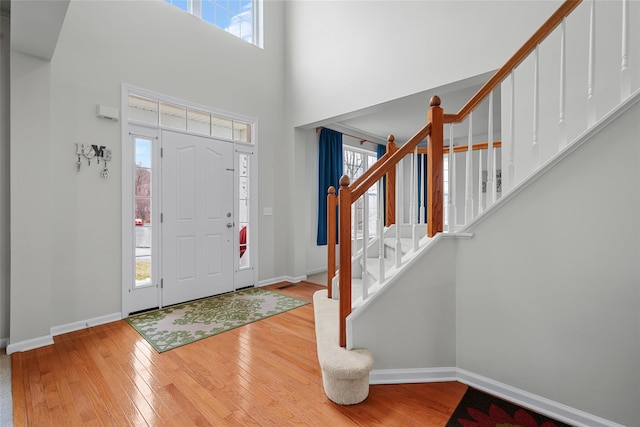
[408, 314]
[385, 255]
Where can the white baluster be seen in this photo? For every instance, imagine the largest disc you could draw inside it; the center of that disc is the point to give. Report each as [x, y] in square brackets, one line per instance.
[491, 168]
[365, 245]
[400, 194]
[495, 186]
[414, 191]
[423, 174]
[625, 73]
[381, 230]
[398, 213]
[591, 101]
[452, 182]
[562, 138]
[536, 109]
[480, 207]
[468, 190]
[511, 167]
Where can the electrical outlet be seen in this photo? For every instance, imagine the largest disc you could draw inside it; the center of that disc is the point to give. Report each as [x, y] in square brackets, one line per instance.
[267, 211]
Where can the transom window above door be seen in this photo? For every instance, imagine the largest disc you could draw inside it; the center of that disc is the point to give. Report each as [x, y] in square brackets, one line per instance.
[168, 115]
[238, 17]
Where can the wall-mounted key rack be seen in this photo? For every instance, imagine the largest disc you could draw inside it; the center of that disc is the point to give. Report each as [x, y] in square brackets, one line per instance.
[94, 153]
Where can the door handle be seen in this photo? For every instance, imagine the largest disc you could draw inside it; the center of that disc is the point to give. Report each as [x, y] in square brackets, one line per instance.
[229, 224]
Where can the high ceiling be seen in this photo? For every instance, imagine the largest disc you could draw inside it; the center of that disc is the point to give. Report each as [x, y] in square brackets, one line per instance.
[403, 117]
[45, 16]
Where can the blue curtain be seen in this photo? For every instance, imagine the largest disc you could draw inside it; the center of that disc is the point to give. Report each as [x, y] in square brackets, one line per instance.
[381, 150]
[329, 173]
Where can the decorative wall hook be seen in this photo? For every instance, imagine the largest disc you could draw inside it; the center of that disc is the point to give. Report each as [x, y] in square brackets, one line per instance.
[99, 152]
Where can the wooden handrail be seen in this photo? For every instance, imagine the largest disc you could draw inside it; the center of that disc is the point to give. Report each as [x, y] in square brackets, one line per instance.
[371, 170]
[547, 28]
[357, 191]
[463, 148]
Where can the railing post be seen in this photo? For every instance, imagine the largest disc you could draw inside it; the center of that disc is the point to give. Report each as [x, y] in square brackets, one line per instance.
[344, 204]
[331, 238]
[391, 185]
[435, 168]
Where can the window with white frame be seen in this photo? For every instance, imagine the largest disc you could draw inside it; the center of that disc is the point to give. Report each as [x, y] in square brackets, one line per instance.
[238, 17]
[167, 115]
[355, 163]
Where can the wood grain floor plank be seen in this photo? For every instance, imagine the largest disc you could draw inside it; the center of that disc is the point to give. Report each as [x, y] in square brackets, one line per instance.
[262, 374]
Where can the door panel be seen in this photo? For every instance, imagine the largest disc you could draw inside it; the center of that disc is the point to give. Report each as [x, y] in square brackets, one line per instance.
[197, 229]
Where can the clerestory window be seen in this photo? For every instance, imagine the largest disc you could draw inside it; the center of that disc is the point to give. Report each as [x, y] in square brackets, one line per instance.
[241, 18]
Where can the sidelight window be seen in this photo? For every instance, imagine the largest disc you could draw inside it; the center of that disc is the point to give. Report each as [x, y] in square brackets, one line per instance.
[143, 206]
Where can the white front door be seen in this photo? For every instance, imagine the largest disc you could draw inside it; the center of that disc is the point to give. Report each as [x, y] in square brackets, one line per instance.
[198, 219]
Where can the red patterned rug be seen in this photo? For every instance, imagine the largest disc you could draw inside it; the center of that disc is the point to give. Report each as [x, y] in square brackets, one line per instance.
[479, 409]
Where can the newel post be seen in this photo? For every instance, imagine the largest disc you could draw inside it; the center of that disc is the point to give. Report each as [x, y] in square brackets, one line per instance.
[391, 185]
[435, 168]
[344, 203]
[332, 200]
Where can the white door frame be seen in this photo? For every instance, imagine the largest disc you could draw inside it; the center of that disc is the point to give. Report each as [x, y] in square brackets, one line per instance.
[242, 276]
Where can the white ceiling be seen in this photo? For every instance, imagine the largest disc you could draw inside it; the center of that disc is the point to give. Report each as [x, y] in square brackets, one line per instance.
[36, 25]
[403, 117]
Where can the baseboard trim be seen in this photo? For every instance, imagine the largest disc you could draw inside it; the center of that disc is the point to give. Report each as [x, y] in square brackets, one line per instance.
[30, 344]
[83, 324]
[542, 405]
[281, 279]
[537, 403]
[316, 271]
[34, 343]
[403, 376]
[4, 342]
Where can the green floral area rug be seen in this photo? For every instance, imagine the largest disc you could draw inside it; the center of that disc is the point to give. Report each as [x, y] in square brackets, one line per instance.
[181, 324]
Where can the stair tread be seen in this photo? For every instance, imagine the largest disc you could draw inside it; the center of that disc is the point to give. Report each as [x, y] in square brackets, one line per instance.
[373, 267]
[406, 242]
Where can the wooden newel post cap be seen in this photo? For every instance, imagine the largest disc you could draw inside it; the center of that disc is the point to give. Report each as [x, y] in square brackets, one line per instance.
[391, 138]
[331, 190]
[344, 181]
[435, 101]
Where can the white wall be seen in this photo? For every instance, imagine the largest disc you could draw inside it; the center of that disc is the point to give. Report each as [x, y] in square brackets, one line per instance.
[31, 209]
[5, 258]
[412, 322]
[548, 290]
[316, 256]
[66, 263]
[348, 55]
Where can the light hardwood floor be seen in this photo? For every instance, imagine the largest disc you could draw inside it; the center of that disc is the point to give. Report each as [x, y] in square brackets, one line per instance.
[262, 374]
